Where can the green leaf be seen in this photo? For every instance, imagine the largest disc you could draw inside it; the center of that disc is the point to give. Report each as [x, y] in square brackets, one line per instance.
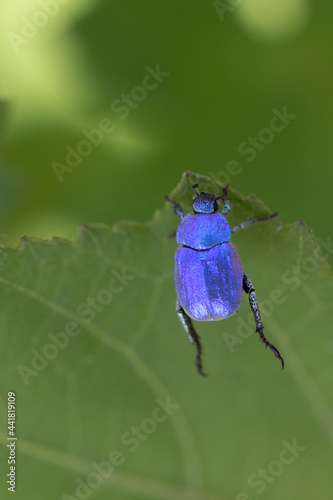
[93, 349]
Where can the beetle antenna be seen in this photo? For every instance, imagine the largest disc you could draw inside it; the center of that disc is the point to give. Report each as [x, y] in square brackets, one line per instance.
[195, 186]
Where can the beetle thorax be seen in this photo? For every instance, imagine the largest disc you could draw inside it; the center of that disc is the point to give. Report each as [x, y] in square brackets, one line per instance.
[203, 231]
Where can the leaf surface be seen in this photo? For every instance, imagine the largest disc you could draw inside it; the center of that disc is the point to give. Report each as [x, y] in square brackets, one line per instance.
[94, 351]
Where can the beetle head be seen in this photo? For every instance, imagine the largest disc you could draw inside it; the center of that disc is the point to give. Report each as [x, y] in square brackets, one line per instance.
[204, 203]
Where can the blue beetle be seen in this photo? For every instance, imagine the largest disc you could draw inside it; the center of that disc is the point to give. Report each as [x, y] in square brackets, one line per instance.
[209, 278]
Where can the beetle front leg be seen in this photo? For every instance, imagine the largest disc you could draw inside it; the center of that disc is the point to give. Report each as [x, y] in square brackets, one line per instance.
[176, 208]
[192, 334]
[249, 289]
[226, 201]
[247, 223]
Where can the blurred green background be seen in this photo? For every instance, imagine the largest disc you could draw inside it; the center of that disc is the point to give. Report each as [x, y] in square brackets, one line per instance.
[225, 78]
[228, 68]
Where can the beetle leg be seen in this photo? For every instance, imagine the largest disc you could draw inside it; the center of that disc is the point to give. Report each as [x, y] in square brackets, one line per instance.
[192, 334]
[226, 201]
[251, 221]
[176, 208]
[249, 289]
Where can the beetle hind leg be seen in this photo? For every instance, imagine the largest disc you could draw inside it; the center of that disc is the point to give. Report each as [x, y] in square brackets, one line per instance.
[249, 289]
[192, 334]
